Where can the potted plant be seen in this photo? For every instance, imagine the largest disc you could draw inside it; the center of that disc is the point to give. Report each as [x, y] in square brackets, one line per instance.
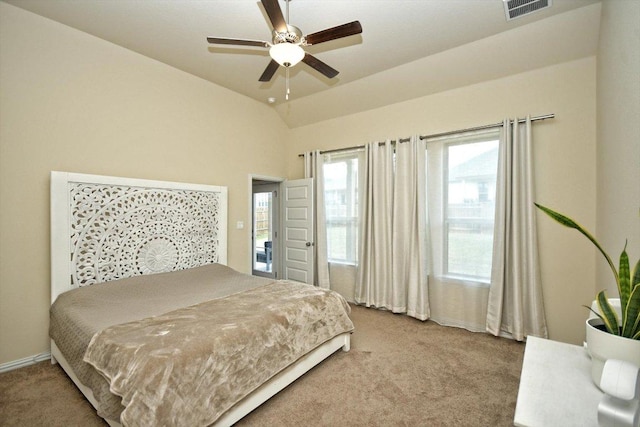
[612, 334]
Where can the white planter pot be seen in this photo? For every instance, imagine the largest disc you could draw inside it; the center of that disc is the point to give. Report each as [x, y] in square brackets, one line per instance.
[603, 346]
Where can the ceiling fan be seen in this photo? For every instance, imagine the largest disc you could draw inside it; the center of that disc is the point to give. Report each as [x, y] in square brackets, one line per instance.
[286, 48]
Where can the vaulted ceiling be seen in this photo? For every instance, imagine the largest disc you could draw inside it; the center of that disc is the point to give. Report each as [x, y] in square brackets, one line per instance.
[407, 49]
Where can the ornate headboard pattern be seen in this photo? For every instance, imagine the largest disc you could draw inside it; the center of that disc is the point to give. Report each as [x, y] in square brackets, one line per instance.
[105, 228]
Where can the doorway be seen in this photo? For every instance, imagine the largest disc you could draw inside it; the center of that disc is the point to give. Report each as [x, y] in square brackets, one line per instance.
[265, 225]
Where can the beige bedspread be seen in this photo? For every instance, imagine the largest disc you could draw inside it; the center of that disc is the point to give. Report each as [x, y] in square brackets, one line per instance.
[167, 374]
[77, 315]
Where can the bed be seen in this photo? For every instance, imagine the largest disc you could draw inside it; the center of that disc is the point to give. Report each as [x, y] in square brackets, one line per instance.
[149, 322]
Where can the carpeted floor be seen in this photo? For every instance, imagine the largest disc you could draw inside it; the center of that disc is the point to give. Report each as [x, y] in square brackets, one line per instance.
[399, 372]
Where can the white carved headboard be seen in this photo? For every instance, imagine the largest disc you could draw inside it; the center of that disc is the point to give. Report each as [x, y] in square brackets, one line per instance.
[105, 228]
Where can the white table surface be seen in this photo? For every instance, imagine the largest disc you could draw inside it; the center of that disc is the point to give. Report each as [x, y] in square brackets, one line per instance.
[556, 388]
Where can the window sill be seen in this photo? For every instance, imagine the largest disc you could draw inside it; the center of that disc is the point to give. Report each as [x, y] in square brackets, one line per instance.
[345, 263]
[466, 281]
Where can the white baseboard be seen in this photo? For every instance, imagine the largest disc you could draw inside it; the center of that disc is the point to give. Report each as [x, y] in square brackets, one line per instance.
[21, 363]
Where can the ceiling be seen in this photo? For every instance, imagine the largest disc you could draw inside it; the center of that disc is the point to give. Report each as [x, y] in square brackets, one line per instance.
[408, 48]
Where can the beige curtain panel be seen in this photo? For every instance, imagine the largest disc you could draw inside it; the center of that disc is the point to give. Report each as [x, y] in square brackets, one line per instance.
[515, 305]
[392, 270]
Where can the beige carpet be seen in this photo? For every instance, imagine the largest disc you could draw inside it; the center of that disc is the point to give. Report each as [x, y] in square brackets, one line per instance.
[399, 372]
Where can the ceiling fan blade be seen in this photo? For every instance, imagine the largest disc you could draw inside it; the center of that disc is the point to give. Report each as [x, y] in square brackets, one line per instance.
[275, 15]
[220, 40]
[269, 71]
[320, 66]
[338, 32]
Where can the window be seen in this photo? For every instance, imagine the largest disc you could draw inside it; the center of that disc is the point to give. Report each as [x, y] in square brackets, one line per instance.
[341, 206]
[461, 189]
[469, 207]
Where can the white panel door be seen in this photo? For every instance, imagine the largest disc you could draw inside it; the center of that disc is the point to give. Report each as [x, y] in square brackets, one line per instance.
[298, 230]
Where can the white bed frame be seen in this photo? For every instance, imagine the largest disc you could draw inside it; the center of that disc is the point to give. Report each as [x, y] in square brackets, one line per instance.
[105, 228]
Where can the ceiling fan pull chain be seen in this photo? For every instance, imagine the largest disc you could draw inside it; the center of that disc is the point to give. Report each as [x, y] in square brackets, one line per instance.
[287, 82]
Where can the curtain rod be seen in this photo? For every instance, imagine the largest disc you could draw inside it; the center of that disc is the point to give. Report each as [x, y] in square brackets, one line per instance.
[438, 135]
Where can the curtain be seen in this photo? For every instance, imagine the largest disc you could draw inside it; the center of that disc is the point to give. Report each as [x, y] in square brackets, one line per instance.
[392, 271]
[410, 227]
[313, 168]
[515, 306]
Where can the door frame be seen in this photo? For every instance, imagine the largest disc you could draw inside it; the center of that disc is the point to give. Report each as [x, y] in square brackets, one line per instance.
[267, 179]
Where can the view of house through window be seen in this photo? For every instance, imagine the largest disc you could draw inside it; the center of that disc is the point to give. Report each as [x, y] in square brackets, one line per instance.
[470, 189]
[341, 207]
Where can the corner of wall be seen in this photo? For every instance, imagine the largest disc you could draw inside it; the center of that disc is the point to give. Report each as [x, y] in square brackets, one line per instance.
[618, 135]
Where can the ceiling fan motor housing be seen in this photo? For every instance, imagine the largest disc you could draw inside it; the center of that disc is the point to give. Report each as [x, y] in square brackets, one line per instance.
[292, 35]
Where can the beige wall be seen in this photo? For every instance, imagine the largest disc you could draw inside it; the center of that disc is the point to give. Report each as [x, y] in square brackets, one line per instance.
[76, 103]
[564, 159]
[618, 150]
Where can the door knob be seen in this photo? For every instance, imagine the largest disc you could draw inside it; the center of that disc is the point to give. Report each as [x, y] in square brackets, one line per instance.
[308, 244]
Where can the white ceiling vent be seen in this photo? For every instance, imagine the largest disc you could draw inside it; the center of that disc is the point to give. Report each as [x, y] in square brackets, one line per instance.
[517, 8]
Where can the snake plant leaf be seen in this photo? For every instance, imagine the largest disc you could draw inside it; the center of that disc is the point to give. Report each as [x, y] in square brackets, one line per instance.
[624, 281]
[568, 222]
[631, 326]
[635, 288]
[635, 279]
[608, 314]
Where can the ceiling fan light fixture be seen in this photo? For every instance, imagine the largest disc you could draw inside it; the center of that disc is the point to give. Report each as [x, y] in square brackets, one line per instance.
[286, 54]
